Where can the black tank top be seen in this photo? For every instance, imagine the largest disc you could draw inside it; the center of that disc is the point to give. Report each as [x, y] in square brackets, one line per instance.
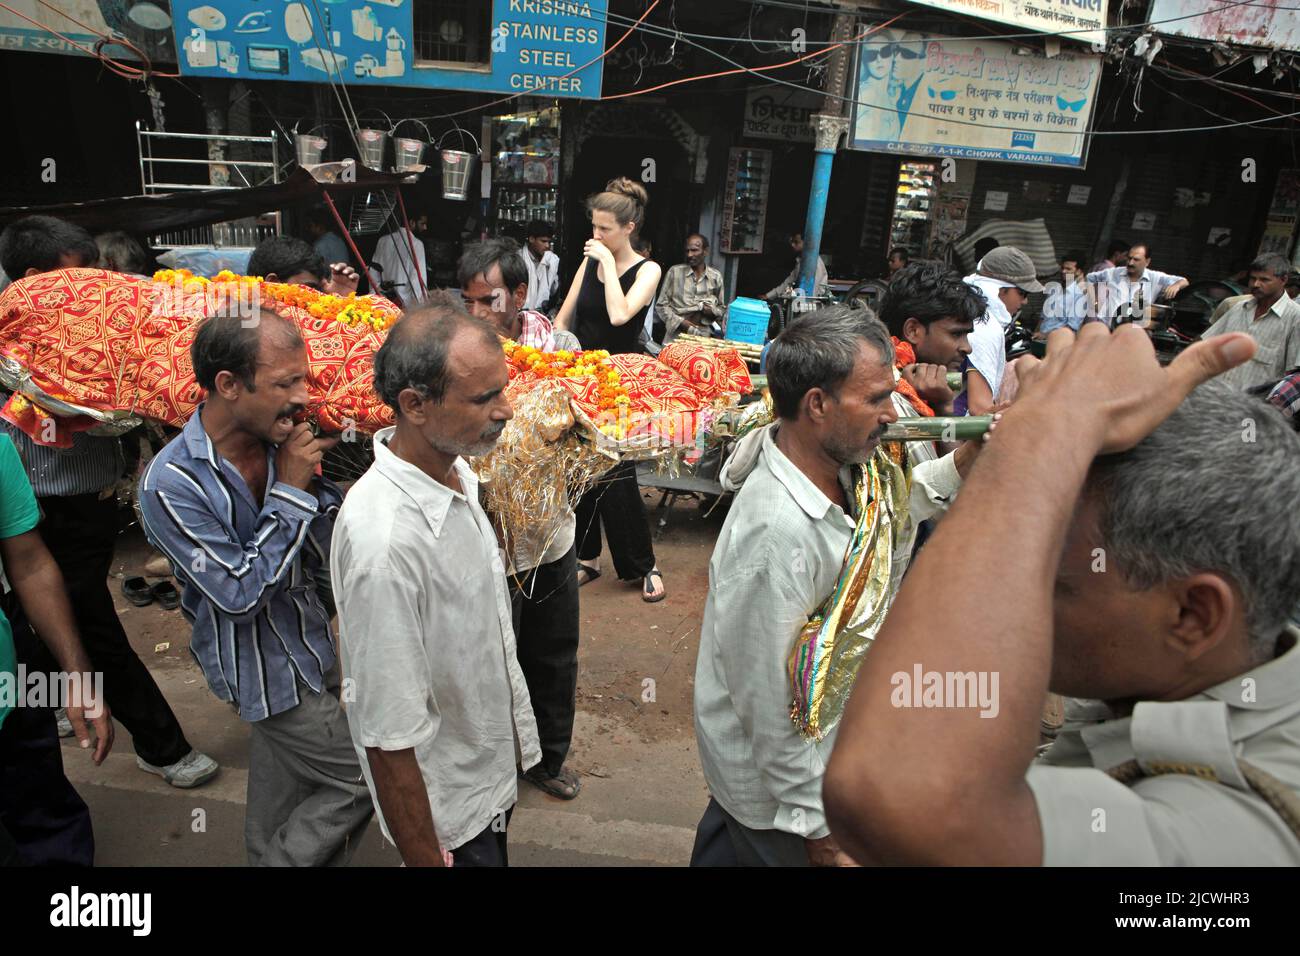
[592, 325]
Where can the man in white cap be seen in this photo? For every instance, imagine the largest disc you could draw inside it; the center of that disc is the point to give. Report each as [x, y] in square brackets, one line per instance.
[1005, 277]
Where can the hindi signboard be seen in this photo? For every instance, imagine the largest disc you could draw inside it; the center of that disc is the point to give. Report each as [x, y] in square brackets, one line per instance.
[974, 99]
[1253, 24]
[1082, 20]
[778, 112]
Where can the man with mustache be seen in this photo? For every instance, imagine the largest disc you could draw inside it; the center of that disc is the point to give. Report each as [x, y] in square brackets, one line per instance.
[440, 704]
[236, 504]
[778, 557]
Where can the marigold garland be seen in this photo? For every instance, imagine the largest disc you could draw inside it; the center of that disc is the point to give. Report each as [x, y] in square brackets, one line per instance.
[350, 309]
[612, 398]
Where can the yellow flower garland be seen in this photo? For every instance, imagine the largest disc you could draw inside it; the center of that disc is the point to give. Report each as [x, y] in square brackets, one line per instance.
[350, 309]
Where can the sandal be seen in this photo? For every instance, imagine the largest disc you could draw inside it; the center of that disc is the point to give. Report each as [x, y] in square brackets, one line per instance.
[648, 591]
[165, 593]
[589, 571]
[564, 785]
[137, 591]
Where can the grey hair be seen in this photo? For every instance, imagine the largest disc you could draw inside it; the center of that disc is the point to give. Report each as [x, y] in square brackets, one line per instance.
[819, 351]
[416, 351]
[1278, 265]
[1214, 488]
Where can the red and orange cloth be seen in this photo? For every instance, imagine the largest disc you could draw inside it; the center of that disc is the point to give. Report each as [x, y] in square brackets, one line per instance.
[110, 345]
[904, 354]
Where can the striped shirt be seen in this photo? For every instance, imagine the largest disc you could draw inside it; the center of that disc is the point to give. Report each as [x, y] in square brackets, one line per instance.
[246, 571]
[1277, 332]
[92, 464]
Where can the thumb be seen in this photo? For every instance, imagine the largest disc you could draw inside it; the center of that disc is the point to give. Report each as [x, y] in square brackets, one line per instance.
[1207, 358]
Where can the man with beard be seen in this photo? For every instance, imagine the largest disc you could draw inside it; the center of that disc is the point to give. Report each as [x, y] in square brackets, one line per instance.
[779, 556]
[691, 297]
[235, 503]
[424, 619]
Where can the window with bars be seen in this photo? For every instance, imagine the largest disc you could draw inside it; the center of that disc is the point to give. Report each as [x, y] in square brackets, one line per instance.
[453, 31]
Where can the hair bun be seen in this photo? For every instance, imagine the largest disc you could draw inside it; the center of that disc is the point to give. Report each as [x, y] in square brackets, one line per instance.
[626, 187]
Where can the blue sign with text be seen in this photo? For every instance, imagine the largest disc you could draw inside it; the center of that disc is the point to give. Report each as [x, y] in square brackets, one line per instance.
[541, 47]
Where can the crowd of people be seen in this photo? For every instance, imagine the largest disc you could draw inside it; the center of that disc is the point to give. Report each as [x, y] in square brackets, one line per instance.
[1118, 536]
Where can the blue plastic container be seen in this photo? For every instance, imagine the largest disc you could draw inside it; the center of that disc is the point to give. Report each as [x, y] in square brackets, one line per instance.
[747, 320]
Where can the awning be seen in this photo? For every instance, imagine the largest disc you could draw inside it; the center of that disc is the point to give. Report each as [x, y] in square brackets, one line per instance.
[147, 215]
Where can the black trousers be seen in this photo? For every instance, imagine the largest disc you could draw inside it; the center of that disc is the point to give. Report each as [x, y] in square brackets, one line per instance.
[722, 840]
[544, 602]
[486, 849]
[616, 503]
[43, 820]
[81, 532]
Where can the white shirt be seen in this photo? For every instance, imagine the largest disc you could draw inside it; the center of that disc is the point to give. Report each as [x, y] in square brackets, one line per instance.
[988, 352]
[393, 255]
[1115, 289]
[1276, 332]
[777, 558]
[426, 640]
[543, 278]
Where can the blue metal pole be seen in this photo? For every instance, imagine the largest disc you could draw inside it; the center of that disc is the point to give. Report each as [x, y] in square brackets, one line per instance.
[812, 230]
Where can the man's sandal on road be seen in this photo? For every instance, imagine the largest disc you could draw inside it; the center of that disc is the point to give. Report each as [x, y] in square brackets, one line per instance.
[564, 785]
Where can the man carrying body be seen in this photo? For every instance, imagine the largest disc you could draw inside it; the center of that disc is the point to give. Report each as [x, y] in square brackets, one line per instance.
[930, 312]
[327, 243]
[235, 504]
[290, 260]
[1005, 278]
[690, 299]
[1270, 317]
[1133, 283]
[543, 587]
[778, 557]
[424, 620]
[1179, 648]
[76, 489]
[543, 267]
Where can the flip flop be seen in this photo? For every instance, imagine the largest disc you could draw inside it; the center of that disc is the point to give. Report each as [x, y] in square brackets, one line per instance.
[564, 785]
[165, 593]
[647, 592]
[137, 591]
[592, 573]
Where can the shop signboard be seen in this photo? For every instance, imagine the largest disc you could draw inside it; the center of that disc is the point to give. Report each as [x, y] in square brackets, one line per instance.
[74, 26]
[974, 99]
[1083, 20]
[540, 47]
[1261, 23]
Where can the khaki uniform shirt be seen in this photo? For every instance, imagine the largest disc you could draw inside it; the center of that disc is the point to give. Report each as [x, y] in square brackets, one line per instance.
[1206, 817]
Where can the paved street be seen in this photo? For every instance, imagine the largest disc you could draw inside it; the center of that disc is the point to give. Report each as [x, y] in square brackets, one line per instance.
[642, 790]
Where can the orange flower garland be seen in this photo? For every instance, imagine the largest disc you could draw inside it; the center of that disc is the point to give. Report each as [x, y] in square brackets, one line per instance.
[350, 309]
[613, 400]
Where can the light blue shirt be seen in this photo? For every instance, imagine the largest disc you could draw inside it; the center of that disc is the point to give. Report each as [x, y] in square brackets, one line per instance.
[246, 570]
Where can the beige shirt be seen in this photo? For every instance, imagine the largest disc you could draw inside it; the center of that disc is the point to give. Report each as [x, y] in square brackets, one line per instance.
[1175, 819]
[427, 642]
[1278, 335]
[683, 291]
[778, 556]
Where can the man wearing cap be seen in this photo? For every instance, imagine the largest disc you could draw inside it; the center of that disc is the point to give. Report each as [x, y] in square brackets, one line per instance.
[1118, 287]
[1005, 277]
